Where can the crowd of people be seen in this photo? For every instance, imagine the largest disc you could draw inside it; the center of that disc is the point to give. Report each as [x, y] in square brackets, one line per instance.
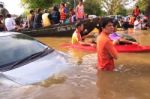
[56, 15]
[136, 20]
[43, 18]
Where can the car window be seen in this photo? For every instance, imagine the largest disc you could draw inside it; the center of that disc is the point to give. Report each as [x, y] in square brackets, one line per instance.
[17, 47]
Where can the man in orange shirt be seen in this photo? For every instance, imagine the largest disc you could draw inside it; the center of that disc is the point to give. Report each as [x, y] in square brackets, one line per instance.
[136, 11]
[105, 50]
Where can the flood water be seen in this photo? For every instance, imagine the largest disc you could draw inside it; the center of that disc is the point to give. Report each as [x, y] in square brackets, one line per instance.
[131, 80]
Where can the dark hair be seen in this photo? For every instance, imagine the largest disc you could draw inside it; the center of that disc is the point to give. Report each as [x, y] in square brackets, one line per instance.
[104, 21]
[8, 15]
[77, 24]
[31, 11]
[45, 11]
[38, 10]
[1, 5]
[138, 17]
[62, 4]
[137, 6]
[1, 16]
[80, 0]
[55, 8]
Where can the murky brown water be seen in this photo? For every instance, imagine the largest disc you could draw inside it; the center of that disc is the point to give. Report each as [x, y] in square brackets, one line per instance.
[83, 81]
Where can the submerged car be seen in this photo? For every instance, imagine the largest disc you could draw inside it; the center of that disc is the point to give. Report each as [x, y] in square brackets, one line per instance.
[25, 60]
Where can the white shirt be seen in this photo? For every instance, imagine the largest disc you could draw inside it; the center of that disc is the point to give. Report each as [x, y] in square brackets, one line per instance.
[10, 24]
[137, 25]
[45, 19]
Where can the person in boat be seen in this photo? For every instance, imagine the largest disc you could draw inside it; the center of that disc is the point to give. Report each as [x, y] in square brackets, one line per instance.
[77, 38]
[125, 24]
[131, 21]
[117, 39]
[3, 11]
[138, 23]
[144, 23]
[80, 11]
[2, 26]
[37, 19]
[72, 16]
[106, 51]
[10, 24]
[55, 15]
[63, 13]
[46, 19]
[30, 19]
[136, 11]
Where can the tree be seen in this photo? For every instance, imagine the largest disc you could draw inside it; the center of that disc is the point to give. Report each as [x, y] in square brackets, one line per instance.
[93, 7]
[39, 3]
[120, 11]
[112, 5]
[142, 5]
[147, 9]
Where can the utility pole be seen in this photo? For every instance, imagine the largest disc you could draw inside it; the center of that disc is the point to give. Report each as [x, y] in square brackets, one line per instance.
[75, 4]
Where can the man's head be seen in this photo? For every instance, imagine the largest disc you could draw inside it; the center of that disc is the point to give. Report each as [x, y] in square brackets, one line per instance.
[45, 11]
[1, 17]
[80, 2]
[137, 6]
[106, 25]
[8, 15]
[79, 26]
[138, 18]
[1, 5]
[38, 10]
[31, 11]
[62, 5]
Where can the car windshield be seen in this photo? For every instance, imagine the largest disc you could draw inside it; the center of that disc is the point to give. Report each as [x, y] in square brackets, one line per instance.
[18, 47]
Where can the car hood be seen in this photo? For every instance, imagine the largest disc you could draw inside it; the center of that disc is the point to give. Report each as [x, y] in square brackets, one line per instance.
[38, 70]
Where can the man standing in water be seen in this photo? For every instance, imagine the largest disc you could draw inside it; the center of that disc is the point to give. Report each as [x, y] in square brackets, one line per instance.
[106, 52]
[136, 11]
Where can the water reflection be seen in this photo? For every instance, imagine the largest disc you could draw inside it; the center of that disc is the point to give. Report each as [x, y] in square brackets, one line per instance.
[77, 55]
[132, 84]
[56, 79]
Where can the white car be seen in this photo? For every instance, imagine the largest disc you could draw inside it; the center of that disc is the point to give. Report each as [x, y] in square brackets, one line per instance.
[25, 60]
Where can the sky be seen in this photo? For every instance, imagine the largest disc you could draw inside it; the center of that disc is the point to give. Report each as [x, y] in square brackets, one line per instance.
[131, 3]
[13, 6]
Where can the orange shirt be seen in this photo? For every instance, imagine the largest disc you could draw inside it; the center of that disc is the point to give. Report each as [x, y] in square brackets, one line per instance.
[136, 12]
[62, 14]
[105, 52]
[131, 21]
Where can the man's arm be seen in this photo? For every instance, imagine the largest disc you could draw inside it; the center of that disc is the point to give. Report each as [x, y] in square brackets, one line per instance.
[112, 50]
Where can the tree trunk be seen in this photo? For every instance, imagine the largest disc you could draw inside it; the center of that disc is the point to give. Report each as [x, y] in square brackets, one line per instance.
[147, 12]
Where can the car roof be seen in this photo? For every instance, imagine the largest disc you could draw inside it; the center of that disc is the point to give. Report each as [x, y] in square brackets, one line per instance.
[8, 33]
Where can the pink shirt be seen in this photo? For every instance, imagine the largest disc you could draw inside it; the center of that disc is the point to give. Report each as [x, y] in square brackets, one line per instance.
[80, 12]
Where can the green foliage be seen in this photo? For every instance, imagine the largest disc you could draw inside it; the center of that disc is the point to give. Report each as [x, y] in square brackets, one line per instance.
[143, 4]
[39, 3]
[147, 12]
[93, 7]
[121, 11]
[114, 6]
